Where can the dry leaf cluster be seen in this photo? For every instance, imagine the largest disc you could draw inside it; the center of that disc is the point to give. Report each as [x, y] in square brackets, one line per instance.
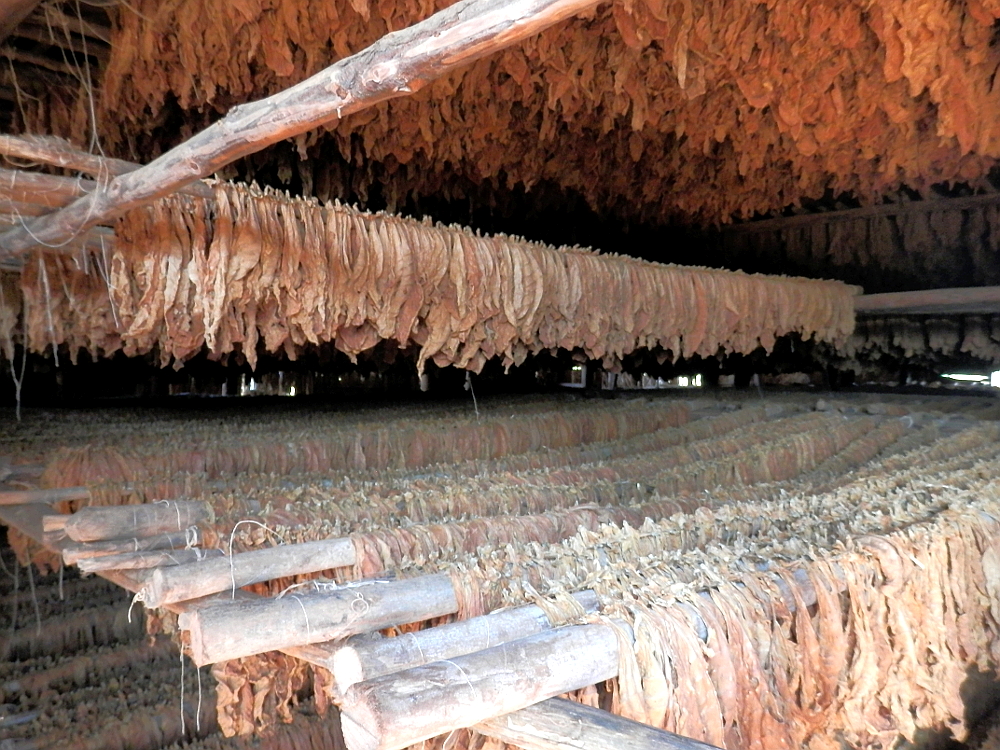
[954, 242]
[924, 341]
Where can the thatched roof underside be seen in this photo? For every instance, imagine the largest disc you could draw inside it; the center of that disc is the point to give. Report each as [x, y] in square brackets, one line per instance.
[697, 109]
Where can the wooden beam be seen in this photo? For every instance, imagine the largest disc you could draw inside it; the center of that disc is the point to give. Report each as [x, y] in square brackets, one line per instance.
[74, 552]
[244, 627]
[197, 579]
[12, 12]
[560, 724]
[42, 189]
[159, 559]
[58, 152]
[20, 497]
[398, 64]
[27, 519]
[94, 523]
[402, 709]
[363, 658]
[977, 300]
[19, 209]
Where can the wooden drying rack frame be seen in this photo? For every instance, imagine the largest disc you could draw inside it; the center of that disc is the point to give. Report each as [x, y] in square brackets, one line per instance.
[551, 724]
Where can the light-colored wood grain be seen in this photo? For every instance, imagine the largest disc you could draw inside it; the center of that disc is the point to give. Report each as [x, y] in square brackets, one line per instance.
[401, 709]
[197, 579]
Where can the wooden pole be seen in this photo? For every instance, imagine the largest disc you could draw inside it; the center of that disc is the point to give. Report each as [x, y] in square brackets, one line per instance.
[147, 560]
[396, 65]
[59, 494]
[560, 724]
[43, 190]
[73, 553]
[363, 658]
[196, 579]
[55, 522]
[93, 524]
[955, 301]
[401, 709]
[18, 210]
[58, 152]
[232, 629]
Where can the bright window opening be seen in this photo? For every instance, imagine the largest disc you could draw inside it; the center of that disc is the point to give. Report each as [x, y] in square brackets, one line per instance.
[969, 378]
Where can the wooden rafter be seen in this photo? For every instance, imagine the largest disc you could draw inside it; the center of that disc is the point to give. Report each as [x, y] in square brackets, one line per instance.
[398, 64]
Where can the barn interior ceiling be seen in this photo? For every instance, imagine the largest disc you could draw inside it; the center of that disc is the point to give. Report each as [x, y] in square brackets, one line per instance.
[656, 112]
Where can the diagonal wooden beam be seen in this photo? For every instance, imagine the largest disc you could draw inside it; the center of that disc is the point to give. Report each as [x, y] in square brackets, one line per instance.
[398, 64]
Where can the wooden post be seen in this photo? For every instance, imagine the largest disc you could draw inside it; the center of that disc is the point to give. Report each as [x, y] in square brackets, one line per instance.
[363, 658]
[396, 65]
[147, 560]
[560, 724]
[196, 579]
[73, 553]
[401, 709]
[93, 524]
[58, 494]
[231, 629]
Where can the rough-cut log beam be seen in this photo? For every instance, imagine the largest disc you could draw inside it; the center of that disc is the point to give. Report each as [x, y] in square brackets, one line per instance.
[74, 552]
[196, 579]
[12, 12]
[955, 301]
[18, 210]
[398, 64]
[362, 658]
[228, 630]
[401, 709]
[158, 559]
[93, 524]
[42, 189]
[58, 152]
[560, 724]
[19, 497]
